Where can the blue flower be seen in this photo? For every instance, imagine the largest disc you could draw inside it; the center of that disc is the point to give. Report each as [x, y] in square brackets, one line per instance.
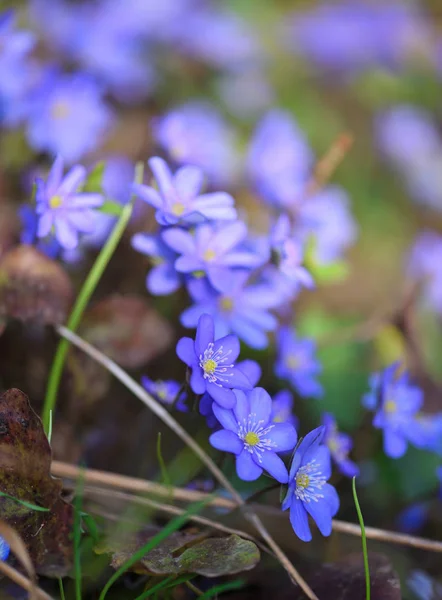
[29, 220]
[166, 392]
[397, 403]
[162, 279]
[4, 549]
[288, 253]
[179, 198]
[211, 251]
[282, 409]
[339, 445]
[413, 518]
[195, 133]
[425, 266]
[68, 116]
[62, 207]
[249, 433]
[308, 492]
[212, 363]
[243, 309]
[296, 363]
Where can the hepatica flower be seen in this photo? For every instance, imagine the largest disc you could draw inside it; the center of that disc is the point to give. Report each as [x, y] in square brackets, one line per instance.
[397, 402]
[212, 251]
[288, 253]
[297, 363]
[62, 208]
[162, 279]
[212, 363]
[339, 445]
[168, 392]
[308, 492]
[282, 408]
[248, 432]
[178, 197]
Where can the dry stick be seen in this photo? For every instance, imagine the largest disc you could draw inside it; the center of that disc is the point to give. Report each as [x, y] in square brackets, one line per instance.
[112, 480]
[328, 163]
[23, 582]
[167, 418]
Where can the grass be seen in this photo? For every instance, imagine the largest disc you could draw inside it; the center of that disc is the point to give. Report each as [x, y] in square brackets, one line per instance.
[364, 541]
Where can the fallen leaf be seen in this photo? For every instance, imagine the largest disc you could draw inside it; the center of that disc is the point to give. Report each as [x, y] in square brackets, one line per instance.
[184, 552]
[25, 461]
[127, 329]
[33, 287]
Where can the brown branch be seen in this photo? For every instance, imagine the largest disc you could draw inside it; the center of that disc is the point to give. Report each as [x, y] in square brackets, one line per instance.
[23, 582]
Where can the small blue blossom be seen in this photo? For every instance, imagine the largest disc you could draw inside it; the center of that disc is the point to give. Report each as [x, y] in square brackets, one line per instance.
[212, 363]
[297, 363]
[397, 403]
[178, 198]
[62, 208]
[339, 445]
[4, 549]
[168, 392]
[211, 251]
[68, 116]
[249, 433]
[282, 409]
[413, 518]
[243, 310]
[195, 133]
[29, 220]
[162, 279]
[308, 492]
[288, 253]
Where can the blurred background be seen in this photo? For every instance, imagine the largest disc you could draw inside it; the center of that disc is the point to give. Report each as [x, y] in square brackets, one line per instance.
[247, 90]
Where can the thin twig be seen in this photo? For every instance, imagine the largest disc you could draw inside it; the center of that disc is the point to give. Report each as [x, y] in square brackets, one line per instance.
[328, 164]
[167, 418]
[23, 582]
[115, 481]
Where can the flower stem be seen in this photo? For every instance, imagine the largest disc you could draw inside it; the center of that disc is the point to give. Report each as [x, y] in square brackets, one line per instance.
[364, 541]
[84, 296]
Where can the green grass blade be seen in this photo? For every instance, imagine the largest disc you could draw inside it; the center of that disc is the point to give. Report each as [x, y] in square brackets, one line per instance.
[175, 524]
[222, 587]
[82, 301]
[165, 583]
[49, 436]
[364, 541]
[61, 587]
[24, 503]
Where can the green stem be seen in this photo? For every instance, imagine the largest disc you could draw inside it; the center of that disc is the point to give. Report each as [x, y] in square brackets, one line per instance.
[84, 296]
[61, 587]
[364, 541]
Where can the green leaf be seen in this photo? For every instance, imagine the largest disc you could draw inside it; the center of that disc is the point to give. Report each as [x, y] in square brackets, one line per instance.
[24, 503]
[94, 180]
[110, 207]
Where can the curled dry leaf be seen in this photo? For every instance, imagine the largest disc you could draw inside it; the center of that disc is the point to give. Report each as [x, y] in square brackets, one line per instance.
[25, 462]
[188, 552]
[33, 287]
[127, 329]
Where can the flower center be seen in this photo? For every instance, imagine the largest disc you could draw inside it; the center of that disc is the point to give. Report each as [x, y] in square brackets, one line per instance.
[212, 364]
[292, 361]
[178, 208]
[226, 303]
[60, 110]
[390, 407]
[55, 201]
[209, 255]
[309, 482]
[251, 438]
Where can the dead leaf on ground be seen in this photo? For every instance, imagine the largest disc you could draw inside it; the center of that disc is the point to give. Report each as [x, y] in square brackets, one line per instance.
[25, 461]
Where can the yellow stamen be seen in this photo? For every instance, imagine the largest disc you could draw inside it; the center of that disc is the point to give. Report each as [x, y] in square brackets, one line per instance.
[226, 303]
[210, 366]
[292, 361]
[55, 201]
[178, 208]
[251, 438]
[302, 480]
[60, 110]
[390, 406]
[209, 255]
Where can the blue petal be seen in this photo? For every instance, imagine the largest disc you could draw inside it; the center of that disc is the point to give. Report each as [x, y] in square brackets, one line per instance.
[260, 404]
[230, 345]
[287, 502]
[251, 370]
[331, 497]
[222, 396]
[284, 436]
[310, 444]
[395, 444]
[162, 280]
[204, 334]
[299, 520]
[246, 467]
[242, 407]
[185, 350]
[237, 379]
[320, 513]
[273, 465]
[197, 381]
[226, 441]
[225, 417]
[321, 455]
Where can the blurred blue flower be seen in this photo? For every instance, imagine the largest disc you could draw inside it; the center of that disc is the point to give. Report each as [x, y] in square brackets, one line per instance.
[397, 403]
[29, 219]
[68, 116]
[423, 586]
[297, 363]
[4, 549]
[243, 309]
[179, 198]
[282, 409]
[62, 209]
[246, 93]
[413, 518]
[288, 253]
[211, 251]
[162, 279]
[339, 445]
[212, 363]
[249, 433]
[424, 265]
[168, 392]
[195, 133]
[308, 492]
